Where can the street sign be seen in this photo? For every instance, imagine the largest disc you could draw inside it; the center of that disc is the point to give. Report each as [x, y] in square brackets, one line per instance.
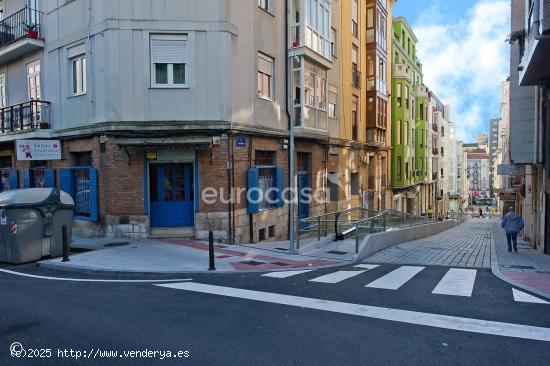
[241, 142]
[510, 169]
[38, 150]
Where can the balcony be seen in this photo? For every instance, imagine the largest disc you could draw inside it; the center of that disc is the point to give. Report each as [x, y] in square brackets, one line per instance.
[29, 116]
[421, 91]
[402, 71]
[16, 40]
[434, 176]
[356, 78]
[435, 151]
[533, 68]
[434, 127]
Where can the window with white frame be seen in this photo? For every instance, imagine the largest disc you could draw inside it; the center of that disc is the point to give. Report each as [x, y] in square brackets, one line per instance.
[78, 69]
[3, 102]
[318, 26]
[169, 61]
[33, 80]
[265, 161]
[265, 76]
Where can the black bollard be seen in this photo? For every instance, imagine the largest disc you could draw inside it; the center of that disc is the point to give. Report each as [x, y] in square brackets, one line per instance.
[65, 243]
[211, 250]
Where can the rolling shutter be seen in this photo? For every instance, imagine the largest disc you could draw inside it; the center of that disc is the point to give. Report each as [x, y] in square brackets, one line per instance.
[169, 51]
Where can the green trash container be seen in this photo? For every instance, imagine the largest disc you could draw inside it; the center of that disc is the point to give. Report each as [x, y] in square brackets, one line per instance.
[31, 222]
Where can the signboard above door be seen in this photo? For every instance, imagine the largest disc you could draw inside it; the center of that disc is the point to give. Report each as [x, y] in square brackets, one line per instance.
[38, 150]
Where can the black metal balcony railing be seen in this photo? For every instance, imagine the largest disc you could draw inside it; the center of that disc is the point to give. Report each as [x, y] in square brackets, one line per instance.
[31, 115]
[356, 78]
[26, 23]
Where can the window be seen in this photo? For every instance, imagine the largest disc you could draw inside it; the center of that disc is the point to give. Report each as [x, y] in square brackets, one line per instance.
[399, 168]
[333, 49]
[354, 122]
[406, 133]
[354, 18]
[332, 101]
[33, 80]
[78, 74]
[266, 163]
[315, 89]
[407, 96]
[317, 28]
[398, 132]
[81, 183]
[169, 61]
[265, 76]
[399, 94]
[264, 4]
[407, 170]
[354, 184]
[3, 102]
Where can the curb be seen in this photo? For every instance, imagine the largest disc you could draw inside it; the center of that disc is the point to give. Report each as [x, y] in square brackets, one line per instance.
[495, 269]
[94, 271]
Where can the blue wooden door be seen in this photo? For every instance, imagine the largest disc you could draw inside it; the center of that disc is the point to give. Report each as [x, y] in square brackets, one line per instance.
[303, 204]
[172, 195]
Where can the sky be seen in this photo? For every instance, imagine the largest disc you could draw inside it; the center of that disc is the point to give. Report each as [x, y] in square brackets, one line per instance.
[461, 45]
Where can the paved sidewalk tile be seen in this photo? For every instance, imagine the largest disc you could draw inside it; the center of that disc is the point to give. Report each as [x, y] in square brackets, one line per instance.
[467, 245]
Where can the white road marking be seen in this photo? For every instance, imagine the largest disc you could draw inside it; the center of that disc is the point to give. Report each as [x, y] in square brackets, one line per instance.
[520, 296]
[457, 282]
[367, 266]
[285, 274]
[396, 278]
[397, 315]
[336, 277]
[88, 279]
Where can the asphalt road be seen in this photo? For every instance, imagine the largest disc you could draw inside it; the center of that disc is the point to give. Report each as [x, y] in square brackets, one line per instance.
[86, 317]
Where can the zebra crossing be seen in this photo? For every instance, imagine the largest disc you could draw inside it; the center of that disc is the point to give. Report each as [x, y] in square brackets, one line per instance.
[455, 282]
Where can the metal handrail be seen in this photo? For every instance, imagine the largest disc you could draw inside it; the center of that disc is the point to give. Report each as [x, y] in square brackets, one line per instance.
[30, 115]
[14, 27]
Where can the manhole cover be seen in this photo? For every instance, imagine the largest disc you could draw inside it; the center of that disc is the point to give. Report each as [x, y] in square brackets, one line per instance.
[119, 244]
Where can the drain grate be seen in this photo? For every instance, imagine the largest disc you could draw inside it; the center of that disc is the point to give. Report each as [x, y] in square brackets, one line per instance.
[252, 263]
[119, 244]
[337, 252]
[518, 267]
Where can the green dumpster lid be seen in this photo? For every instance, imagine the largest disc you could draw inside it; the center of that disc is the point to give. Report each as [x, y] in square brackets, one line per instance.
[34, 197]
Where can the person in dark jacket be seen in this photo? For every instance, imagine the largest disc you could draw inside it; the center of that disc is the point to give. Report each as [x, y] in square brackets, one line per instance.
[512, 223]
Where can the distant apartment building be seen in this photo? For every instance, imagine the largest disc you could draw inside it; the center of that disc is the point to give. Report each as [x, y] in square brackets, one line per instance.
[494, 142]
[409, 123]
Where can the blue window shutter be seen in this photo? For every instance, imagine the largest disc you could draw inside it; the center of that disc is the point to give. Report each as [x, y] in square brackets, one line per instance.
[280, 186]
[94, 201]
[67, 181]
[49, 175]
[14, 179]
[253, 178]
[27, 178]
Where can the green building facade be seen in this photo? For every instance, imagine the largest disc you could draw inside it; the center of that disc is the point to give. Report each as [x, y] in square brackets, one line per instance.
[409, 110]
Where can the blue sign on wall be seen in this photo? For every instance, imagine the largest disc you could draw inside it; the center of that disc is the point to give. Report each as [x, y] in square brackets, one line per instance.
[241, 142]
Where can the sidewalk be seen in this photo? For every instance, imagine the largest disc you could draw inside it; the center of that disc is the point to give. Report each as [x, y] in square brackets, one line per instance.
[466, 245]
[176, 256]
[529, 268]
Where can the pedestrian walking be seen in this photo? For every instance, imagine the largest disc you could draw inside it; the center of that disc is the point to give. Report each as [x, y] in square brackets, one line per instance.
[512, 223]
[480, 211]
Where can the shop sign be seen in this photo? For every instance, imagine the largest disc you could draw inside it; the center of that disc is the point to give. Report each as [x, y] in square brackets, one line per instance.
[38, 150]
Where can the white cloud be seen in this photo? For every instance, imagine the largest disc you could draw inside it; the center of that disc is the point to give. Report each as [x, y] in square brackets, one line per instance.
[465, 62]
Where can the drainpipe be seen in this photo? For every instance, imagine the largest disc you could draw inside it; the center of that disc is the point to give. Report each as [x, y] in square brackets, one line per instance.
[291, 142]
[536, 23]
[229, 188]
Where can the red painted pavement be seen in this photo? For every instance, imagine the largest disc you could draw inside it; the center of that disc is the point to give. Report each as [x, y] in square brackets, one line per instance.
[539, 281]
[247, 267]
